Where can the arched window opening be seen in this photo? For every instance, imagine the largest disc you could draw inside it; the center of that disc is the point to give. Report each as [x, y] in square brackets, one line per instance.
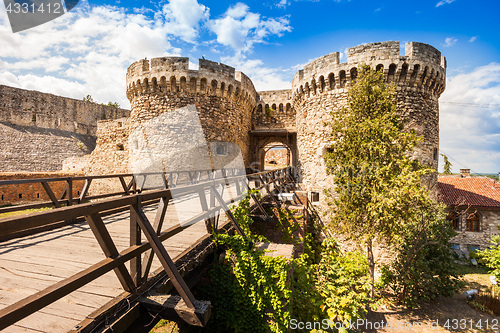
[203, 85]
[414, 74]
[342, 79]
[331, 81]
[404, 73]
[392, 73]
[192, 84]
[380, 68]
[288, 107]
[273, 107]
[163, 83]
[214, 87]
[354, 74]
[183, 83]
[155, 84]
[173, 84]
[473, 222]
[259, 108]
[280, 107]
[313, 86]
[307, 89]
[321, 83]
[454, 219]
[424, 75]
[229, 90]
[222, 87]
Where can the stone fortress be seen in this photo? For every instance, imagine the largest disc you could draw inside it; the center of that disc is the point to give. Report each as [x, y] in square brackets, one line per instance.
[231, 111]
[38, 131]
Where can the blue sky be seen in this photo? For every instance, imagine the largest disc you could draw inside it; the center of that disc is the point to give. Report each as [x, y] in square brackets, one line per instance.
[87, 50]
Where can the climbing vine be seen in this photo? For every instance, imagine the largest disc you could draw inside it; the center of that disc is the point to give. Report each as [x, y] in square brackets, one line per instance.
[251, 292]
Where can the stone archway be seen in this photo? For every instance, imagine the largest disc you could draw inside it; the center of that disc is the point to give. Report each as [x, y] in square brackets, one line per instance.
[262, 141]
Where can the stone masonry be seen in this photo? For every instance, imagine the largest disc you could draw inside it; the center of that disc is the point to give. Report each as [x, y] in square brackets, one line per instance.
[38, 131]
[162, 91]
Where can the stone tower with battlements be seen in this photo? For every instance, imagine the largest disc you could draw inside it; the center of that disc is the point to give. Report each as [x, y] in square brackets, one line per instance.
[321, 87]
[231, 110]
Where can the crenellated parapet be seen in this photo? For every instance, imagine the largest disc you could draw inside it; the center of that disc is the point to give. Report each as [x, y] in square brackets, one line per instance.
[172, 75]
[321, 88]
[422, 68]
[274, 110]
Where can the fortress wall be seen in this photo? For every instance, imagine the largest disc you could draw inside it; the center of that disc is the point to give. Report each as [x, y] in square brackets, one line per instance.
[274, 111]
[20, 193]
[37, 109]
[321, 87]
[29, 148]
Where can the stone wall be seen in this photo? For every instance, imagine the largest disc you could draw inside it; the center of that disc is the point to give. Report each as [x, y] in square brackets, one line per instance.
[278, 157]
[274, 111]
[37, 109]
[489, 220]
[22, 193]
[321, 87]
[29, 148]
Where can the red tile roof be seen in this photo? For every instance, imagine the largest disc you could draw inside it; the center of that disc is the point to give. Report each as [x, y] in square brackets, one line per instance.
[473, 191]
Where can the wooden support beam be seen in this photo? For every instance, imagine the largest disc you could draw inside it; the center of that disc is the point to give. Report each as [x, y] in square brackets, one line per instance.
[157, 225]
[124, 185]
[85, 189]
[172, 307]
[228, 212]
[167, 263]
[135, 239]
[51, 195]
[108, 247]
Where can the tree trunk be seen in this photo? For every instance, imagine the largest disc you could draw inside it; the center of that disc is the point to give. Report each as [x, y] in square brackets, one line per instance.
[371, 267]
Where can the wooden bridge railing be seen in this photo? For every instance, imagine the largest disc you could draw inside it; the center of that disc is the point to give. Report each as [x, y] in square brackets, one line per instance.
[134, 279]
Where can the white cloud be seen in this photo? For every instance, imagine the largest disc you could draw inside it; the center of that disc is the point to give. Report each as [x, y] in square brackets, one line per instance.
[263, 78]
[450, 41]
[240, 29]
[183, 18]
[444, 2]
[88, 50]
[470, 119]
[472, 39]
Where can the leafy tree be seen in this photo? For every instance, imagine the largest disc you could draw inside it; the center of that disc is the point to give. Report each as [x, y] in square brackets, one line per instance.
[447, 165]
[423, 268]
[89, 99]
[491, 256]
[377, 182]
[114, 104]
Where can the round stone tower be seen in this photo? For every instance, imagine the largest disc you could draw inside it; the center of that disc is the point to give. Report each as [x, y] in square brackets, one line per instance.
[321, 87]
[222, 98]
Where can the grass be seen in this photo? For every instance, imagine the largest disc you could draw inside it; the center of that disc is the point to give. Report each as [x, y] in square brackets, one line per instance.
[23, 212]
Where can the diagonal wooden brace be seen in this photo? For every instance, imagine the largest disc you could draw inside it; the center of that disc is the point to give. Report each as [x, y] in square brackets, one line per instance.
[228, 212]
[108, 247]
[167, 263]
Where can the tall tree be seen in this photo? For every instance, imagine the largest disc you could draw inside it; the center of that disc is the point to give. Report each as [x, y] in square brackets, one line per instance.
[447, 165]
[377, 181]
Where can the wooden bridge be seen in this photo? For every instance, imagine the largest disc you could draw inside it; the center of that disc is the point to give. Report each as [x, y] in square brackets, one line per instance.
[91, 263]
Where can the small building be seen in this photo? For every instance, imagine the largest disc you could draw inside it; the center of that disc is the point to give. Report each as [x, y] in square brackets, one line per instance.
[473, 207]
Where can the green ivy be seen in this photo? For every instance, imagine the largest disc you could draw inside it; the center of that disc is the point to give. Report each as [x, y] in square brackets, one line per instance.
[251, 292]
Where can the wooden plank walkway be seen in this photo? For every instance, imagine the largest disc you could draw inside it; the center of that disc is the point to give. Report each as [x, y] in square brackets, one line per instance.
[33, 263]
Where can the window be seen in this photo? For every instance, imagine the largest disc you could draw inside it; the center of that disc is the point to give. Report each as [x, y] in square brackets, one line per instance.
[221, 149]
[473, 222]
[454, 219]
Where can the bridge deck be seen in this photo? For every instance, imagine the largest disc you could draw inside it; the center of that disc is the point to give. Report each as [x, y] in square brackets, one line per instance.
[33, 263]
